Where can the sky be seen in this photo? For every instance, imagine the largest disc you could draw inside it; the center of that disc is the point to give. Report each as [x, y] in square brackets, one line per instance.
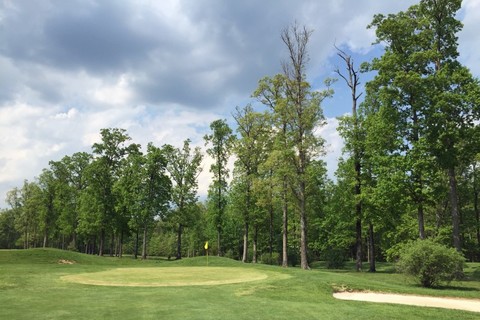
[164, 70]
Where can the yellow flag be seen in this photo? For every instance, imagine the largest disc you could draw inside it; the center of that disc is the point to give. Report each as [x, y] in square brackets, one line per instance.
[206, 245]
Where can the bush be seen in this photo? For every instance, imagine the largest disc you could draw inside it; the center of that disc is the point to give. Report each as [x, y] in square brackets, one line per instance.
[272, 260]
[334, 258]
[430, 263]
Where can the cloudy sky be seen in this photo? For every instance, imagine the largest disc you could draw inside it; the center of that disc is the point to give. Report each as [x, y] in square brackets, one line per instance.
[163, 70]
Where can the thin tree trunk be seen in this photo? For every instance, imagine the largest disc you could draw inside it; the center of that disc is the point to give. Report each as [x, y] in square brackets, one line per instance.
[112, 244]
[45, 236]
[120, 245]
[255, 243]
[303, 229]
[179, 241]
[475, 204]
[102, 242]
[245, 243]
[285, 226]
[455, 211]
[144, 246]
[358, 214]
[270, 244]
[371, 248]
[135, 253]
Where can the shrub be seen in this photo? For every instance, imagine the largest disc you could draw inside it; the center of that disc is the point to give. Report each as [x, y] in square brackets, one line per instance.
[430, 263]
[334, 258]
[272, 260]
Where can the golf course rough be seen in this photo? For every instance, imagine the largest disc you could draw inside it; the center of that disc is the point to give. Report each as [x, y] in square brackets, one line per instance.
[165, 277]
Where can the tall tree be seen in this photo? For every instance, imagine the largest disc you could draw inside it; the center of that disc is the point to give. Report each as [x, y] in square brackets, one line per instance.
[272, 93]
[220, 141]
[156, 187]
[434, 95]
[70, 182]
[48, 214]
[304, 116]
[184, 166]
[354, 145]
[250, 149]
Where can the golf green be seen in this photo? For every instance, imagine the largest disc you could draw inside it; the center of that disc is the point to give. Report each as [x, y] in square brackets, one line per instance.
[163, 277]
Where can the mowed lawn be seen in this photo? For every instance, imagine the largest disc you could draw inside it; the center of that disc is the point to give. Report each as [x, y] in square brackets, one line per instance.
[41, 284]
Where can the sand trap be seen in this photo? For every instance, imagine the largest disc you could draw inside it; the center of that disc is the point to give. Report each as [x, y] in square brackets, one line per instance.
[164, 277]
[423, 301]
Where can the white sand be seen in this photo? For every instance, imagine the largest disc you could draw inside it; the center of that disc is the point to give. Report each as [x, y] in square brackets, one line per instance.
[423, 301]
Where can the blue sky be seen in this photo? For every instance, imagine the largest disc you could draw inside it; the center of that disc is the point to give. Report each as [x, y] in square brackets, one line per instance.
[164, 70]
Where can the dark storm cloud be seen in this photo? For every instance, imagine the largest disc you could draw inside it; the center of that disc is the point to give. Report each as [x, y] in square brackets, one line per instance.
[198, 54]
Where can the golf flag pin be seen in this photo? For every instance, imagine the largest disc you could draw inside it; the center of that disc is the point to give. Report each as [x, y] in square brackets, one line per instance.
[206, 245]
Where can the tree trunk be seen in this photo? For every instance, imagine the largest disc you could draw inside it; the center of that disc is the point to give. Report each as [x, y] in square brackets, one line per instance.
[45, 236]
[120, 245]
[135, 251]
[144, 246]
[245, 243]
[358, 215]
[102, 242]
[475, 204]
[112, 244]
[255, 243]
[270, 243]
[285, 226]
[179, 241]
[455, 211]
[303, 229]
[371, 248]
[218, 243]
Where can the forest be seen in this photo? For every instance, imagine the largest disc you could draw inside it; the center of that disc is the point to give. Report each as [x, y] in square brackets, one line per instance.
[409, 170]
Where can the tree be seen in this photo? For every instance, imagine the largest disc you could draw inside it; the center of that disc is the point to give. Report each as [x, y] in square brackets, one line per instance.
[183, 166]
[99, 199]
[354, 145]
[250, 149]
[70, 183]
[435, 96]
[221, 140]
[304, 116]
[48, 214]
[156, 190]
[272, 93]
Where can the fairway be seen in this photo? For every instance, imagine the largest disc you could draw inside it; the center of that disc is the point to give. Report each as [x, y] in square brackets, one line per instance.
[165, 277]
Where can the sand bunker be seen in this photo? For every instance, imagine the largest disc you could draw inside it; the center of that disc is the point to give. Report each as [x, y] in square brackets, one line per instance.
[163, 277]
[423, 301]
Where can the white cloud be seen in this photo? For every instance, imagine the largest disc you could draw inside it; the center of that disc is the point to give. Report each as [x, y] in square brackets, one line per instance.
[333, 145]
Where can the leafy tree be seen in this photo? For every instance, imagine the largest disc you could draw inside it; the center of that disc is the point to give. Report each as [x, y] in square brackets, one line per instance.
[423, 79]
[184, 166]
[48, 214]
[277, 169]
[8, 233]
[105, 171]
[221, 140]
[250, 150]
[303, 116]
[156, 190]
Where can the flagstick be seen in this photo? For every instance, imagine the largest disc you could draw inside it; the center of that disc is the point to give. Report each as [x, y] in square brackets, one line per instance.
[207, 257]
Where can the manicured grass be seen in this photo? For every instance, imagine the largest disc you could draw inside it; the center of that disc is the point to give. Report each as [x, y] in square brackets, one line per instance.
[33, 286]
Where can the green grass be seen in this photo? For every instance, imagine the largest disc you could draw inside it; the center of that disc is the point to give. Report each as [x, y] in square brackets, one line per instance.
[33, 285]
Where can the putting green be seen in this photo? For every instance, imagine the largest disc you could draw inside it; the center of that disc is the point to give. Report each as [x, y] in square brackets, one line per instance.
[163, 277]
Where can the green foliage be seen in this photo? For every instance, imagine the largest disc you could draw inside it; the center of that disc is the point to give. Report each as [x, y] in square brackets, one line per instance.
[273, 259]
[334, 258]
[430, 263]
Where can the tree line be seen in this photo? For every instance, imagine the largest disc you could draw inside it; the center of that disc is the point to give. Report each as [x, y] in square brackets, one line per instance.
[409, 168]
